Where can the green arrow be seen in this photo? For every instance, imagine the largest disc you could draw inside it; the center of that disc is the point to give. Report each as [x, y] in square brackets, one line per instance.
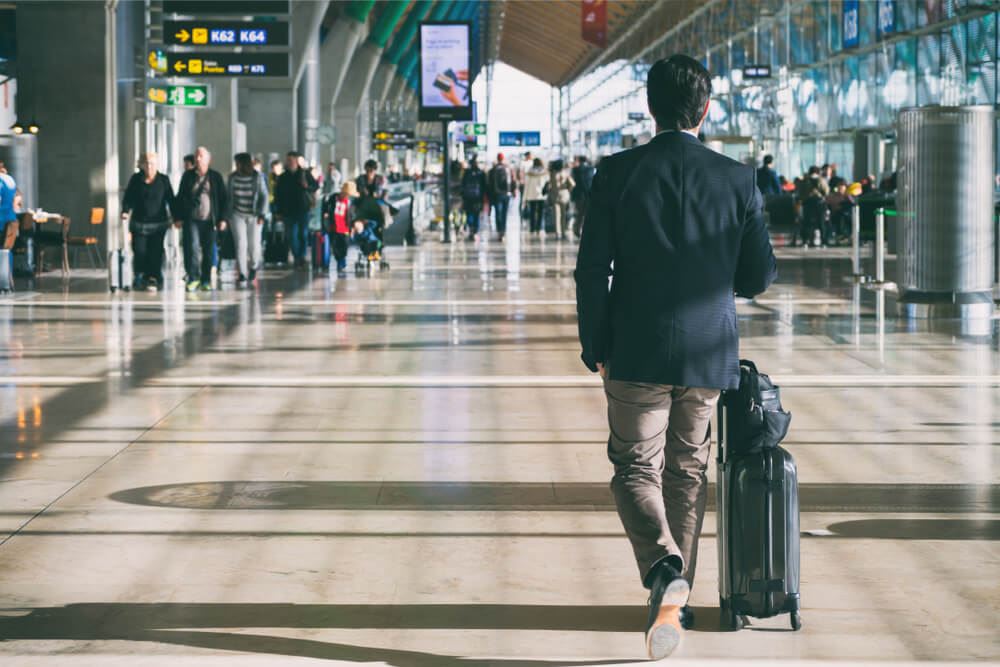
[196, 95]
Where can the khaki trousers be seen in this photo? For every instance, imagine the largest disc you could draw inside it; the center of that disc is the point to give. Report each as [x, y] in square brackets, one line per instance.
[660, 445]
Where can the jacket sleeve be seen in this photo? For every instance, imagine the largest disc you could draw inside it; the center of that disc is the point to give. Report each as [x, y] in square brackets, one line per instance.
[182, 200]
[593, 269]
[224, 198]
[228, 212]
[128, 201]
[168, 195]
[756, 268]
[260, 205]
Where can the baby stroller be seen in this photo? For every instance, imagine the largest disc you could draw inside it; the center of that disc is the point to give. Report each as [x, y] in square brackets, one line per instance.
[368, 236]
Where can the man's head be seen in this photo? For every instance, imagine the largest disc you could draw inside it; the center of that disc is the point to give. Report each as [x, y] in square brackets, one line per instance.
[500, 158]
[768, 160]
[677, 90]
[189, 162]
[371, 166]
[292, 161]
[275, 167]
[202, 158]
[148, 164]
[3, 168]
[331, 167]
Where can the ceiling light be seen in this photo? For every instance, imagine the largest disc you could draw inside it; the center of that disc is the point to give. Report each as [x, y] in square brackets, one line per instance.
[33, 127]
[17, 128]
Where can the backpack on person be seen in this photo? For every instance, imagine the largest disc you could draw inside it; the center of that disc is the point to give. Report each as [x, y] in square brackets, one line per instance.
[471, 187]
[500, 179]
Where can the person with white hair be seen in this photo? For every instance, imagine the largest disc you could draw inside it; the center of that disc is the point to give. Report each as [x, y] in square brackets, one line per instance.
[202, 203]
[148, 198]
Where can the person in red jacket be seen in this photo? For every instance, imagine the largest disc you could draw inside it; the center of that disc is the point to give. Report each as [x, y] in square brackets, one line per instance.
[338, 216]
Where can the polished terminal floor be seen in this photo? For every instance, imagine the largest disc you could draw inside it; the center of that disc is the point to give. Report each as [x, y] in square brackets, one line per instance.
[409, 470]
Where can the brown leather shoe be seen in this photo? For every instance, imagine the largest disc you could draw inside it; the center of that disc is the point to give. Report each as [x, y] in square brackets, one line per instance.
[669, 593]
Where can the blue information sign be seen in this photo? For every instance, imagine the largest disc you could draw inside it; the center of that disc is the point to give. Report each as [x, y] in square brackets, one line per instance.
[886, 17]
[520, 138]
[852, 23]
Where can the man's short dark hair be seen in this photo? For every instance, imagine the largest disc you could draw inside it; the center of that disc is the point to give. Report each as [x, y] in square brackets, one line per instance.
[768, 159]
[677, 89]
[371, 164]
[294, 154]
[189, 158]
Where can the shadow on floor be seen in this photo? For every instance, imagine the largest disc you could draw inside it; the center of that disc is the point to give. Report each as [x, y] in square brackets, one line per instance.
[524, 496]
[157, 623]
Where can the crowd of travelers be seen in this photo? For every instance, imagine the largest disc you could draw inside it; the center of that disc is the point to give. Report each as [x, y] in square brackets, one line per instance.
[552, 198]
[816, 204]
[251, 216]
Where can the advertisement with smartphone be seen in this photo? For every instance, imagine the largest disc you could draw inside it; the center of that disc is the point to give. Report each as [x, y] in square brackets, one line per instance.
[445, 89]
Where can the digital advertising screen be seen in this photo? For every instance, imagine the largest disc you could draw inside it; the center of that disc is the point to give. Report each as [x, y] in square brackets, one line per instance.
[445, 88]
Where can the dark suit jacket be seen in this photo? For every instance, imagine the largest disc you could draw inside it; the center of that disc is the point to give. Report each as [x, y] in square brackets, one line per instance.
[683, 228]
[218, 195]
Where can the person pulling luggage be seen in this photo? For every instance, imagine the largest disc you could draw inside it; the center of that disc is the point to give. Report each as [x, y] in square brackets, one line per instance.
[683, 227]
[338, 218]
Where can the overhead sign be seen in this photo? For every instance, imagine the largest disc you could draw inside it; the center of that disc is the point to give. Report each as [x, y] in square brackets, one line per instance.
[226, 33]
[157, 61]
[852, 23]
[757, 72]
[392, 136]
[227, 64]
[636, 115]
[474, 129]
[520, 138]
[594, 22]
[886, 23]
[392, 146]
[210, 7]
[444, 72]
[193, 95]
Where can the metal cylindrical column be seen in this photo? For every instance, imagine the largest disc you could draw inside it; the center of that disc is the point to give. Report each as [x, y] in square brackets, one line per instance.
[945, 202]
[880, 246]
[856, 241]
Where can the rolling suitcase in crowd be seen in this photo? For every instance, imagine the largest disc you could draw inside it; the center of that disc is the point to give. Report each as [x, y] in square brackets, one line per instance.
[6, 272]
[276, 247]
[757, 504]
[120, 270]
[321, 250]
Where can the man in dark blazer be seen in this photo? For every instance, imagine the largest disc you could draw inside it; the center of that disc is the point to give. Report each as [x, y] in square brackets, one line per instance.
[202, 201]
[678, 229]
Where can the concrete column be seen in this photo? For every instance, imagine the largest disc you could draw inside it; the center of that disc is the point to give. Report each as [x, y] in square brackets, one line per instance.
[269, 114]
[309, 104]
[382, 83]
[353, 98]
[215, 128]
[334, 60]
[71, 89]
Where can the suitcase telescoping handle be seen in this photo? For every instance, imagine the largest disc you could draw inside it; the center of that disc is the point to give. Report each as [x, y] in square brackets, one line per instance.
[722, 425]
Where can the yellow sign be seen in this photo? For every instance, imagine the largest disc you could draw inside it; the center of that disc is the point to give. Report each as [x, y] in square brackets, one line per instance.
[158, 61]
[158, 95]
[199, 36]
[194, 66]
[381, 136]
[382, 147]
[182, 35]
[180, 66]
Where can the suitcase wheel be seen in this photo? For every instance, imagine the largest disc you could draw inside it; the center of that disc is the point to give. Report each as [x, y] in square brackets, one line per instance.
[796, 621]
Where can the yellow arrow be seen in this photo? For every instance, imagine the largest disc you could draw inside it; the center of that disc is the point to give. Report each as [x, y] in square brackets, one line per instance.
[179, 66]
[183, 35]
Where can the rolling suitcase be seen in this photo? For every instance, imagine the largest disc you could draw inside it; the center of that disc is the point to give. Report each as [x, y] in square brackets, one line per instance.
[321, 250]
[757, 505]
[276, 248]
[120, 275]
[6, 272]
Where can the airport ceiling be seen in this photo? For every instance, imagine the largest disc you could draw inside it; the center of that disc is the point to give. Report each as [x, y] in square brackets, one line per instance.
[544, 39]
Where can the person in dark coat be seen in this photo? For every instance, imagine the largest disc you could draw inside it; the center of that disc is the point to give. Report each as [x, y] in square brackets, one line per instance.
[294, 198]
[683, 228]
[146, 205]
[767, 178]
[202, 201]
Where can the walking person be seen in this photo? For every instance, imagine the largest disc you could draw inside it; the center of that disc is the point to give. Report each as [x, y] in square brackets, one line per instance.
[683, 228]
[202, 203]
[534, 195]
[147, 206]
[247, 211]
[501, 181]
[473, 195]
[583, 178]
[767, 179]
[559, 197]
[338, 218]
[294, 199]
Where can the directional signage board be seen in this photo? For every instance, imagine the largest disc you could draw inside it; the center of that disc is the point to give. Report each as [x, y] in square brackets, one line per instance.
[474, 129]
[227, 64]
[520, 138]
[392, 136]
[226, 33]
[191, 95]
[223, 7]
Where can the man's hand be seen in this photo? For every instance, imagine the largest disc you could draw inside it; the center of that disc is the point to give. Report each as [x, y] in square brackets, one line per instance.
[603, 370]
[260, 221]
[222, 225]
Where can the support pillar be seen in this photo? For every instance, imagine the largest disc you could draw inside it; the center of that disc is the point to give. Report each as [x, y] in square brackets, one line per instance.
[309, 104]
[216, 127]
[334, 60]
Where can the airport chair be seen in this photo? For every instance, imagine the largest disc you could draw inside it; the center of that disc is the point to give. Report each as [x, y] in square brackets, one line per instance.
[89, 243]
